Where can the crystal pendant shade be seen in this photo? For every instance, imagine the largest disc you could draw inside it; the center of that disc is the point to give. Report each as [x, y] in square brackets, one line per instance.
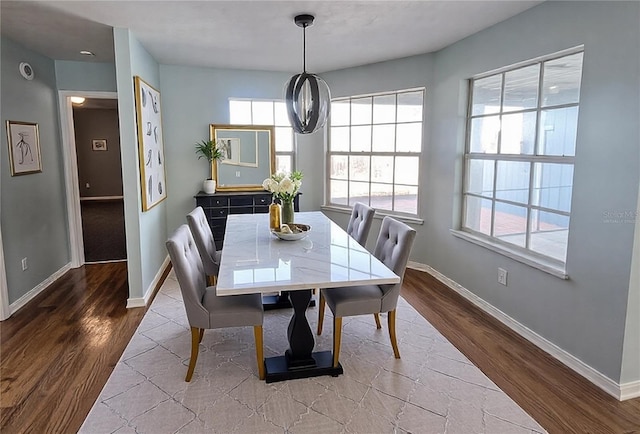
[307, 96]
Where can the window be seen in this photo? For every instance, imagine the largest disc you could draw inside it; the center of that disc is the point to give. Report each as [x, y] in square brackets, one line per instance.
[521, 143]
[265, 112]
[375, 144]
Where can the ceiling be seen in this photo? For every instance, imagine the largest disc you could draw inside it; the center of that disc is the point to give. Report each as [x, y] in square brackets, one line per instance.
[258, 35]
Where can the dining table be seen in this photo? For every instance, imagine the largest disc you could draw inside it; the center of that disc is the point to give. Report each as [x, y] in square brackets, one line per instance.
[254, 260]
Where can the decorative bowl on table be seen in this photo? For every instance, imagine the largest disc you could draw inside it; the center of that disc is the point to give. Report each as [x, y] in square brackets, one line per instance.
[292, 231]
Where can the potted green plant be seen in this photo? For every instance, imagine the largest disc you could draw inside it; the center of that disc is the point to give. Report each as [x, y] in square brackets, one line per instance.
[209, 150]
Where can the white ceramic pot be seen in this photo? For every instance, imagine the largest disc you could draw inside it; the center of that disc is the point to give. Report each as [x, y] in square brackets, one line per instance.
[209, 186]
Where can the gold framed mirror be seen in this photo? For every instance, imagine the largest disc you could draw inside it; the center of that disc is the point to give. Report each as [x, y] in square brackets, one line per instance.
[249, 156]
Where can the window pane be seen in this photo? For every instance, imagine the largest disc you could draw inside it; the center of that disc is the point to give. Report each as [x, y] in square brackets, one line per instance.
[480, 177]
[521, 88]
[381, 169]
[361, 139]
[262, 112]
[561, 80]
[405, 199]
[512, 181]
[409, 137]
[240, 112]
[358, 192]
[384, 138]
[518, 133]
[339, 140]
[338, 192]
[558, 130]
[381, 196]
[284, 139]
[552, 186]
[384, 109]
[361, 111]
[478, 214]
[359, 168]
[282, 119]
[339, 166]
[283, 164]
[410, 107]
[510, 223]
[339, 113]
[549, 234]
[407, 170]
[486, 95]
[484, 135]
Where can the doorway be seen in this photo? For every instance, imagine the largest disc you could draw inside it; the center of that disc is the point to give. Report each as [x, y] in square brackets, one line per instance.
[97, 138]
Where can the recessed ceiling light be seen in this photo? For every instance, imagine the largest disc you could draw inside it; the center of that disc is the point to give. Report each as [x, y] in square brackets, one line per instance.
[87, 53]
[77, 99]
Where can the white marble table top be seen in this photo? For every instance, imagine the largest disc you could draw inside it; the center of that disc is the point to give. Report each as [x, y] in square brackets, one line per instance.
[256, 261]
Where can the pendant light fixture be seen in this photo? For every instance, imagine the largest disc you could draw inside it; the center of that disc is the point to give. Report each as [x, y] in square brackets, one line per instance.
[307, 96]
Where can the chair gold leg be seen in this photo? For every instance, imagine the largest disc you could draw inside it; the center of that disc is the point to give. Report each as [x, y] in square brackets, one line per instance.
[257, 333]
[337, 335]
[211, 280]
[321, 304]
[195, 343]
[391, 319]
[376, 316]
[201, 335]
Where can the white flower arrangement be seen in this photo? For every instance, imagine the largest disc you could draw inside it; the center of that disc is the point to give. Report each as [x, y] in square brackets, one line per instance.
[283, 186]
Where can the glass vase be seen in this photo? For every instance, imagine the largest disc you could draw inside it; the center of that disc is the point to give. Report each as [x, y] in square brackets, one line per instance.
[287, 211]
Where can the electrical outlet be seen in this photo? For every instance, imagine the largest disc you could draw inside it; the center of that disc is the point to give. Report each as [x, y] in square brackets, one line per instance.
[88, 185]
[502, 276]
[237, 174]
[24, 264]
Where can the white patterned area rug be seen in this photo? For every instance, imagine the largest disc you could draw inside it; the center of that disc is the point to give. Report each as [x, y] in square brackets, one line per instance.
[433, 388]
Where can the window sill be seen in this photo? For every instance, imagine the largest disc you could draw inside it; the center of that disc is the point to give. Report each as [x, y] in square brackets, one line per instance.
[530, 260]
[378, 215]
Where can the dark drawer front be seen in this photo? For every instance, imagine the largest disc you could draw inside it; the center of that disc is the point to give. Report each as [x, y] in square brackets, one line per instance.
[218, 233]
[261, 209]
[241, 210]
[213, 213]
[262, 199]
[241, 201]
[212, 202]
[218, 223]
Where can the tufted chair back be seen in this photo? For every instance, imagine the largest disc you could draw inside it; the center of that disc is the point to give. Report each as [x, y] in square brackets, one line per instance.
[360, 222]
[204, 240]
[188, 267]
[392, 249]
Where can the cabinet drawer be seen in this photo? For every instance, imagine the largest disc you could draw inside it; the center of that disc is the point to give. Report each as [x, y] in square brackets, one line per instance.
[213, 213]
[212, 201]
[261, 209]
[218, 222]
[241, 201]
[218, 233]
[262, 199]
[241, 210]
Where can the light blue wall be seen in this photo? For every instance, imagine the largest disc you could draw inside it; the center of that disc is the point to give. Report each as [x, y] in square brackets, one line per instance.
[193, 98]
[584, 315]
[146, 231]
[32, 212]
[94, 76]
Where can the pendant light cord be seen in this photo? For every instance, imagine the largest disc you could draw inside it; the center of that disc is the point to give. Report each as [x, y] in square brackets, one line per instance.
[304, 49]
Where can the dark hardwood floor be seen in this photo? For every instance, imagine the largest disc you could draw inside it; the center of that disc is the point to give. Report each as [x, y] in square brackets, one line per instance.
[558, 399]
[59, 350]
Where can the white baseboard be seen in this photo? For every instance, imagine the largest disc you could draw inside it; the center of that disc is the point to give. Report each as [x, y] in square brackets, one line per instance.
[618, 391]
[16, 305]
[86, 198]
[143, 301]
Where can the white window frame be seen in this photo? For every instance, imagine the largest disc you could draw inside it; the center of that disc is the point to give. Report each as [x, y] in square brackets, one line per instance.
[522, 254]
[294, 144]
[413, 218]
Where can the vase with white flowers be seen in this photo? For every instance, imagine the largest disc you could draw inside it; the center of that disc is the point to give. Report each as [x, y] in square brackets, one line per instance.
[284, 187]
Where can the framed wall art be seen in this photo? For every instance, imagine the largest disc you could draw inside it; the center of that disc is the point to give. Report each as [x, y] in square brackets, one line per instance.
[150, 147]
[24, 148]
[99, 144]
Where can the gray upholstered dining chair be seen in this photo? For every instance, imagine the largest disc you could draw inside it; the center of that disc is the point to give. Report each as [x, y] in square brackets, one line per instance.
[360, 222]
[203, 236]
[392, 249]
[205, 310]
